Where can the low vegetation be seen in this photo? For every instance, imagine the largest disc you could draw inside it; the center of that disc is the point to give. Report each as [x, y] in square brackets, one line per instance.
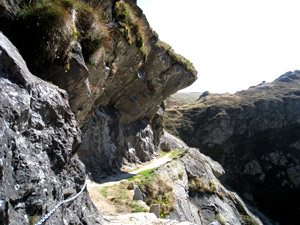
[199, 185]
[51, 28]
[158, 190]
[104, 192]
[178, 58]
[172, 121]
[121, 197]
[219, 219]
[173, 154]
[249, 220]
[33, 219]
[131, 27]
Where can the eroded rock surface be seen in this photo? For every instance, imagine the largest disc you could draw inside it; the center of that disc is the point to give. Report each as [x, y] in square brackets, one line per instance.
[200, 197]
[39, 138]
[254, 134]
[113, 67]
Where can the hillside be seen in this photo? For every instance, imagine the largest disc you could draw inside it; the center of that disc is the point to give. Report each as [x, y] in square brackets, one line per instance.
[254, 134]
[182, 98]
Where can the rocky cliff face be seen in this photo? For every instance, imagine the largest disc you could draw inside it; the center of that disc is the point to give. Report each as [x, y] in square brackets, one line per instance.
[112, 65]
[39, 138]
[254, 134]
[200, 198]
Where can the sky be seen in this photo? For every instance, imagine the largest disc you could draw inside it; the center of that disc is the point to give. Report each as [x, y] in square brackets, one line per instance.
[234, 44]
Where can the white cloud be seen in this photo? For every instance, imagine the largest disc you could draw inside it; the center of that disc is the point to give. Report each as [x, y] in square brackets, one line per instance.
[234, 43]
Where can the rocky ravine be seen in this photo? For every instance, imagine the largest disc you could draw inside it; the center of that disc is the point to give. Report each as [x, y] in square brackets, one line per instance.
[39, 138]
[199, 196]
[254, 134]
[112, 65]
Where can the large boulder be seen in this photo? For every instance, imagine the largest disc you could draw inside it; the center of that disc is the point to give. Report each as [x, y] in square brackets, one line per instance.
[39, 138]
[254, 134]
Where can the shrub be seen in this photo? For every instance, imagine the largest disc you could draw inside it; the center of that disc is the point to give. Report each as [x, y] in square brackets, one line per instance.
[199, 185]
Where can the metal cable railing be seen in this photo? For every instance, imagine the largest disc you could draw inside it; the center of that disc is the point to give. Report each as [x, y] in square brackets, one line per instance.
[60, 203]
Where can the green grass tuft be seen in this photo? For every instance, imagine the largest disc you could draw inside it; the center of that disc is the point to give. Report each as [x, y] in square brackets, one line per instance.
[249, 220]
[104, 192]
[219, 219]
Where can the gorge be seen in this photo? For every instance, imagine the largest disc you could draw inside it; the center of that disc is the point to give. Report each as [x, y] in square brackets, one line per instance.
[83, 85]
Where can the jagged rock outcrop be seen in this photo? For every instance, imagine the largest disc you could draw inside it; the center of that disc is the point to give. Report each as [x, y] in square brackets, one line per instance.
[39, 138]
[112, 65]
[254, 134]
[200, 198]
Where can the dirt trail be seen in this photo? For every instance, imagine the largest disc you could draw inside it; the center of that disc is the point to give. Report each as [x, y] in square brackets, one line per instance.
[105, 205]
[115, 179]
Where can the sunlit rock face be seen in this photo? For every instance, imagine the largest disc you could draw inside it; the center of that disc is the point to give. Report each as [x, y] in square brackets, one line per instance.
[254, 134]
[200, 196]
[113, 67]
[39, 138]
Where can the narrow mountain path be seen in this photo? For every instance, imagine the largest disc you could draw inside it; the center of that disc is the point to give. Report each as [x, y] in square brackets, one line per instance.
[103, 203]
[116, 179]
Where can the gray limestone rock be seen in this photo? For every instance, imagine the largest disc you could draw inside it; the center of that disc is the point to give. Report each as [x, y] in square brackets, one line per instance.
[172, 142]
[39, 138]
[155, 208]
[211, 199]
[138, 195]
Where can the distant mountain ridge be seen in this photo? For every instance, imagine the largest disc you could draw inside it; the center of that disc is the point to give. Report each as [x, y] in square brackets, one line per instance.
[182, 98]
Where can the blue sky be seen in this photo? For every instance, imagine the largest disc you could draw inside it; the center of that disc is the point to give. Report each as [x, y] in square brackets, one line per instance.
[233, 44]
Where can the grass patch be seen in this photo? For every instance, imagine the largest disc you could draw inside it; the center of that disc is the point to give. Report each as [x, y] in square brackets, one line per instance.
[164, 153]
[249, 220]
[121, 197]
[219, 219]
[136, 208]
[157, 189]
[33, 219]
[50, 31]
[176, 153]
[178, 58]
[173, 154]
[172, 121]
[145, 175]
[130, 26]
[199, 185]
[104, 192]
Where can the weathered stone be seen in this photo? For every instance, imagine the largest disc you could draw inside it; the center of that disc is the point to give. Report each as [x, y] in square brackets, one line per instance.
[138, 195]
[294, 175]
[130, 186]
[254, 134]
[201, 206]
[165, 147]
[252, 168]
[155, 208]
[39, 138]
[172, 142]
[119, 83]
